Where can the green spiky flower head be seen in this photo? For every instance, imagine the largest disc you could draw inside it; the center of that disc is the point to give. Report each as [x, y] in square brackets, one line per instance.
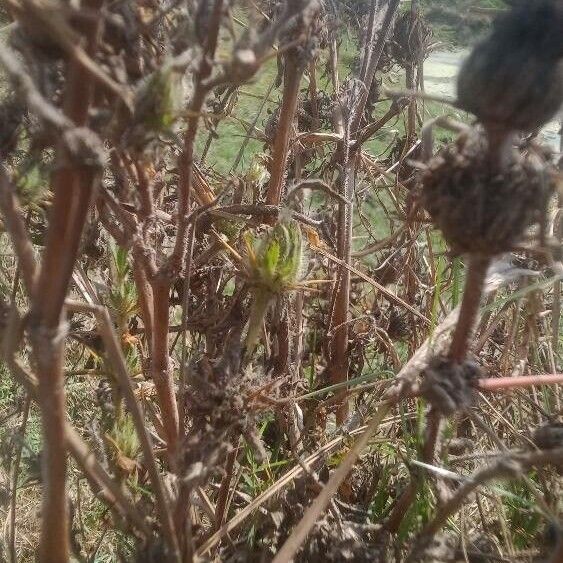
[276, 258]
[157, 100]
[257, 173]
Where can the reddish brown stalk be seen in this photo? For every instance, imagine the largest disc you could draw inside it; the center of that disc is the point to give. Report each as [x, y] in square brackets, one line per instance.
[338, 346]
[160, 363]
[338, 371]
[293, 72]
[474, 284]
[492, 384]
[169, 272]
[73, 187]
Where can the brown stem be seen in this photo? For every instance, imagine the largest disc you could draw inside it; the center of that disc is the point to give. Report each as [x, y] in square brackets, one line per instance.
[115, 355]
[338, 371]
[473, 291]
[411, 84]
[381, 34]
[73, 188]
[186, 160]
[48, 349]
[293, 73]
[433, 427]
[146, 299]
[160, 364]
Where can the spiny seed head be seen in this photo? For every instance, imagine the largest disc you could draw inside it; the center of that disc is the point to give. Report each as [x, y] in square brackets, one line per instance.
[124, 436]
[479, 208]
[276, 257]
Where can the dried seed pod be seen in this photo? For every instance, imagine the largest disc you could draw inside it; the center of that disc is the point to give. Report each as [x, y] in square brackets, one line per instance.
[513, 80]
[411, 39]
[449, 386]
[549, 436]
[479, 208]
[398, 327]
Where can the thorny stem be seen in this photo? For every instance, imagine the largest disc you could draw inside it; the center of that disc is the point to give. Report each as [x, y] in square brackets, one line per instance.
[160, 363]
[338, 352]
[341, 297]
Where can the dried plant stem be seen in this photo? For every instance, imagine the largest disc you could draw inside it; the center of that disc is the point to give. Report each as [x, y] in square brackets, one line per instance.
[162, 282]
[14, 484]
[380, 35]
[507, 467]
[73, 193]
[432, 434]
[293, 72]
[474, 284]
[338, 372]
[160, 364]
[146, 297]
[411, 85]
[474, 289]
[115, 355]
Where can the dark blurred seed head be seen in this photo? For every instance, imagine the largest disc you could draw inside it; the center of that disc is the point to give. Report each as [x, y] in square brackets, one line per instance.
[513, 79]
[477, 207]
[449, 386]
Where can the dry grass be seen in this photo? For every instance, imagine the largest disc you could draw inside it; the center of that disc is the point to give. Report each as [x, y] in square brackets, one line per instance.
[268, 349]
